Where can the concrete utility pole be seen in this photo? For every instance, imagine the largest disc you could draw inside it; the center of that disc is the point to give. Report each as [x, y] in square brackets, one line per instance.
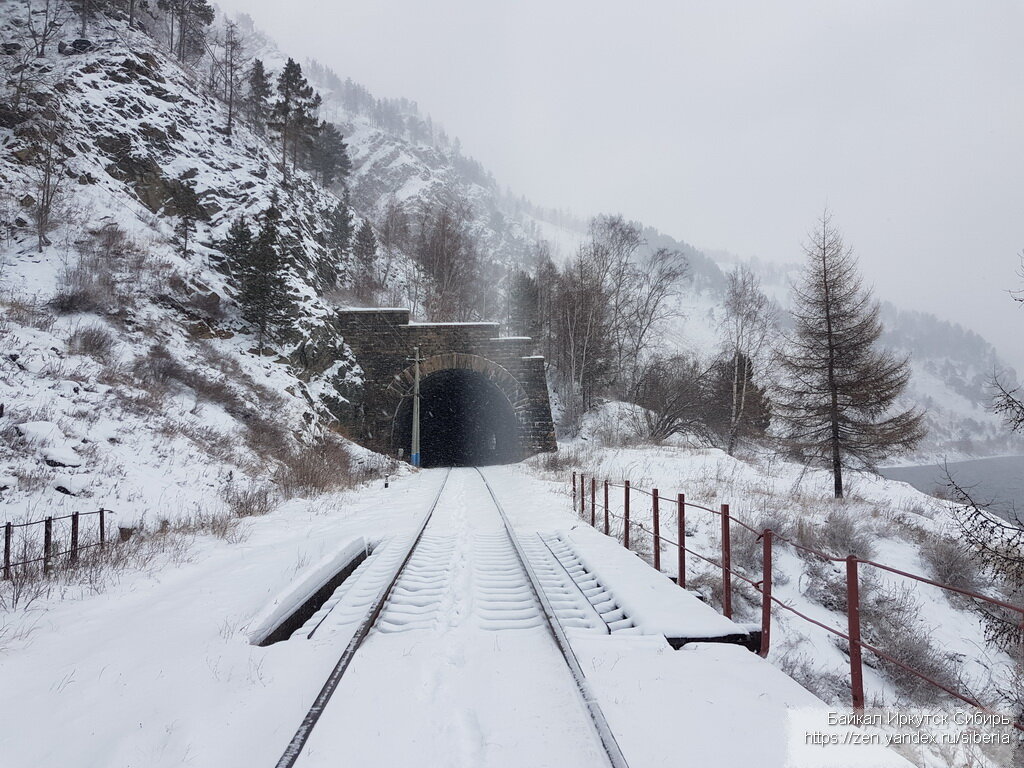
[416, 412]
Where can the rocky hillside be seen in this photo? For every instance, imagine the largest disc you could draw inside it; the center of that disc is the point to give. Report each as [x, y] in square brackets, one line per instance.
[128, 377]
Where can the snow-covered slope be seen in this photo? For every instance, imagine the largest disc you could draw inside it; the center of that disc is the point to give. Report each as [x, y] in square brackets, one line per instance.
[117, 337]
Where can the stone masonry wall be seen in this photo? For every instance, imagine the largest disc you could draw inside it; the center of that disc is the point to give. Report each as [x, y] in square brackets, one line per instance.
[383, 342]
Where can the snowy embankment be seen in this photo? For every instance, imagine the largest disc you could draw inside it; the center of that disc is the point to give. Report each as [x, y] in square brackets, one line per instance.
[159, 671]
[889, 522]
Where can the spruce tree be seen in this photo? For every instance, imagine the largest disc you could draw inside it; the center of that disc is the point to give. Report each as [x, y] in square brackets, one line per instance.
[264, 293]
[364, 251]
[839, 387]
[257, 102]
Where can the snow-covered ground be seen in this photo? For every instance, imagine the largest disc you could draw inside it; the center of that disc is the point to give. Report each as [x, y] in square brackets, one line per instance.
[888, 521]
[160, 669]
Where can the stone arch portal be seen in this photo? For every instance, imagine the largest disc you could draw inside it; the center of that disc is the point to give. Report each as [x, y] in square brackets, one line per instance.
[484, 398]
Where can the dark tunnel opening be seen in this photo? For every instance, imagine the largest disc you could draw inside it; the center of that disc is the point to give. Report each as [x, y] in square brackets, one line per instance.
[465, 420]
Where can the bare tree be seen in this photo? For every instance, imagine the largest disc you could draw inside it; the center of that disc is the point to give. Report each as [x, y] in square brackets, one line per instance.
[746, 325]
[235, 62]
[653, 281]
[45, 19]
[1006, 398]
[671, 394]
[839, 388]
[47, 172]
[449, 253]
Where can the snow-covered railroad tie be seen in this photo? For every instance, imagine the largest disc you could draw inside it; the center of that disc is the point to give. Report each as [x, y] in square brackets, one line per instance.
[468, 613]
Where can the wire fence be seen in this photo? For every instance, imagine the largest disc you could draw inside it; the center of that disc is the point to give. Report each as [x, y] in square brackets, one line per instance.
[768, 539]
[49, 545]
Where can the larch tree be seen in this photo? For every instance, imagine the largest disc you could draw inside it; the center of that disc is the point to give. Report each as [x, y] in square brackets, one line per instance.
[838, 388]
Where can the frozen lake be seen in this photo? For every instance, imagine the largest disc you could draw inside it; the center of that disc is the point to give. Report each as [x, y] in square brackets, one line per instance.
[997, 480]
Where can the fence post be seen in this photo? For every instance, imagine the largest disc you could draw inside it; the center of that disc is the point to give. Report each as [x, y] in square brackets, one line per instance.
[625, 516]
[103, 529]
[766, 592]
[583, 495]
[593, 502]
[853, 617]
[573, 491]
[8, 535]
[726, 564]
[606, 528]
[681, 521]
[47, 543]
[74, 537]
[656, 520]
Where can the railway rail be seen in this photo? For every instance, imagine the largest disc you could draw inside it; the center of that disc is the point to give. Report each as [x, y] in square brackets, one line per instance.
[517, 584]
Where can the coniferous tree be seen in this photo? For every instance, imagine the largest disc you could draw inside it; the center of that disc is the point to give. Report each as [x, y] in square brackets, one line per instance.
[339, 231]
[264, 294]
[328, 156]
[523, 305]
[364, 252]
[236, 247]
[187, 24]
[839, 388]
[735, 409]
[257, 101]
[294, 113]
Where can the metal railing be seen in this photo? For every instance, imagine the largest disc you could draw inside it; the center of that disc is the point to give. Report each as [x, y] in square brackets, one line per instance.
[768, 538]
[48, 554]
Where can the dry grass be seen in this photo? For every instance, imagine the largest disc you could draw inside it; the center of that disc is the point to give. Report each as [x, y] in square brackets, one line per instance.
[92, 340]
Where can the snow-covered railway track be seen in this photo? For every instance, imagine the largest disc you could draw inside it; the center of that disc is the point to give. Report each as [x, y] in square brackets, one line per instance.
[432, 675]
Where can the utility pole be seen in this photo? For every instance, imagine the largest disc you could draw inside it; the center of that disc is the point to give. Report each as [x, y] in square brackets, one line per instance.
[416, 411]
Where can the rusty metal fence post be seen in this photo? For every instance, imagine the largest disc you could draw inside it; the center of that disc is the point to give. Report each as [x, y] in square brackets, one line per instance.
[681, 538]
[573, 491]
[656, 524]
[726, 564]
[853, 619]
[73, 558]
[606, 524]
[47, 543]
[8, 536]
[593, 502]
[625, 516]
[766, 592]
[103, 529]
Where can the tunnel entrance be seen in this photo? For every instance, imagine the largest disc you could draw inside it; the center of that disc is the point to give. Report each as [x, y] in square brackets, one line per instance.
[465, 420]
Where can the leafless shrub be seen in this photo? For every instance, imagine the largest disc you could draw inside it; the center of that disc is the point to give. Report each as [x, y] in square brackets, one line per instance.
[951, 562]
[87, 286]
[832, 687]
[890, 620]
[324, 465]
[254, 500]
[92, 340]
[843, 534]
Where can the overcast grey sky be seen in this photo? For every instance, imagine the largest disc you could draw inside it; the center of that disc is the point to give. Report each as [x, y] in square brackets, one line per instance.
[730, 124]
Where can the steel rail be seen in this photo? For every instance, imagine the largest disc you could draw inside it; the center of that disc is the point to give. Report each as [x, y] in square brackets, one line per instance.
[295, 746]
[573, 581]
[597, 717]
